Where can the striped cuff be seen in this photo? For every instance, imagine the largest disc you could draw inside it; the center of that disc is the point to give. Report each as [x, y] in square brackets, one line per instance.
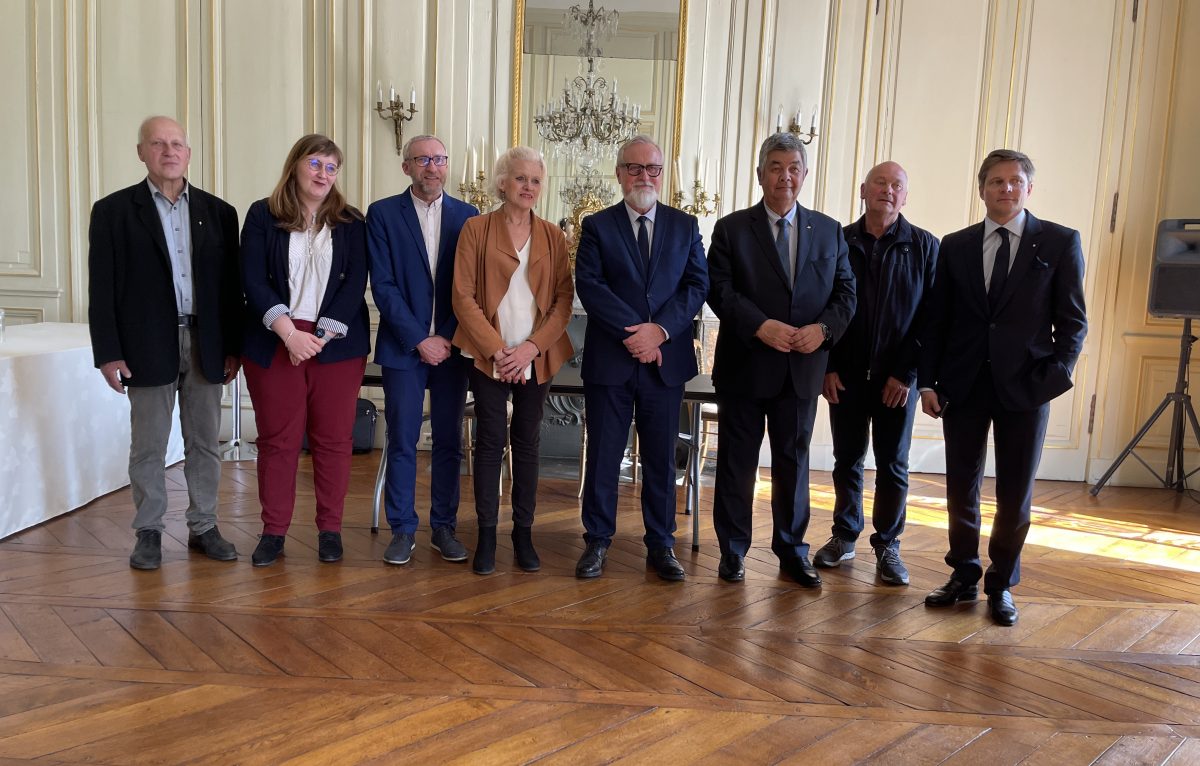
[333, 326]
[274, 313]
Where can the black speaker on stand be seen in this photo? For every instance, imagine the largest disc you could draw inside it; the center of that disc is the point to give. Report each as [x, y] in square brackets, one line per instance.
[1175, 293]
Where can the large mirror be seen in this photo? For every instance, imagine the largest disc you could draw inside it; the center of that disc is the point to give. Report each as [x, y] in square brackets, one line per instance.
[644, 55]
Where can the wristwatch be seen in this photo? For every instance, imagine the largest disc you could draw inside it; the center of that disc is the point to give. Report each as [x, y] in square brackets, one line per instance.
[320, 332]
[824, 330]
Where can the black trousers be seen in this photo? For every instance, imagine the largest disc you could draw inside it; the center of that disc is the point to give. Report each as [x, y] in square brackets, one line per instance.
[789, 422]
[1018, 437]
[492, 431]
[861, 414]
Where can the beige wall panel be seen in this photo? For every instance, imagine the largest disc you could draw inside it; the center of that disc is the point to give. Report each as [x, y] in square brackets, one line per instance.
[18, 157]
[843, 124]
[938, 95]
[264, 65]
[1181, 186]
[139, 72]
[400, 58]
[1064, 109]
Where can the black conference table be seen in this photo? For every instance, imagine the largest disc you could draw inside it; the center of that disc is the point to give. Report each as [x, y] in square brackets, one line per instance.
[698, 391]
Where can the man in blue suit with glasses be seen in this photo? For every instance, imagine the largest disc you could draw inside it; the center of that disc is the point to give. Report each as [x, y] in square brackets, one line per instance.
[411, 239]
[640, 274]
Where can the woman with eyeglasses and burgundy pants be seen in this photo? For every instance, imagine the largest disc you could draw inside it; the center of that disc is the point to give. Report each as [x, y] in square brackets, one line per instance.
[304, 273]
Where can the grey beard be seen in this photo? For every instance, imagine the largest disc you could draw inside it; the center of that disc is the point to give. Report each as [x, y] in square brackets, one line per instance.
[642, 197]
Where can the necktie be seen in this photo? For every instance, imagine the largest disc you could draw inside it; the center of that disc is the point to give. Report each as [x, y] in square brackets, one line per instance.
[644, 241]
[999, 270]
[785, 252]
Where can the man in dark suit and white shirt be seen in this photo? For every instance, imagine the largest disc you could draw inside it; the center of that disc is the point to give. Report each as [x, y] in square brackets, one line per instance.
[165, 311]
[411, 241]
[1006, 326]
[640, 275]
[782, 287]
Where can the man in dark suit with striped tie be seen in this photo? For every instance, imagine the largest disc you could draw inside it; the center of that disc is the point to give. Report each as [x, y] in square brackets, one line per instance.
[782, 286]
[1006, 325]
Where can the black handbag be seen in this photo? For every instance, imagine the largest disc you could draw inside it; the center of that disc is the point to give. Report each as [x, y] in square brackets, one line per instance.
[365, 415]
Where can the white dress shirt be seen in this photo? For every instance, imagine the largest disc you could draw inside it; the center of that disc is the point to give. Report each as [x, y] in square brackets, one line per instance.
[991, 244]
[518, 308]
[430, 216]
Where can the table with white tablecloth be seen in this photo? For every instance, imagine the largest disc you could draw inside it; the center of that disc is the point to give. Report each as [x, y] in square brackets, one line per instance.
[64, 434]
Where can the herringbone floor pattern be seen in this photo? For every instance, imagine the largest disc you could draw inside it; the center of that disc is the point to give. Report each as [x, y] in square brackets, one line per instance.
[360, 662]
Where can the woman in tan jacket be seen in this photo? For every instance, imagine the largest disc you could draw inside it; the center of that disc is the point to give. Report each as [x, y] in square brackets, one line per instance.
[512, 296]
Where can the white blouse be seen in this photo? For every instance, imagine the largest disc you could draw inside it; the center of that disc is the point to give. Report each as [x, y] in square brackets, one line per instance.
[518, 309]
[310, 258]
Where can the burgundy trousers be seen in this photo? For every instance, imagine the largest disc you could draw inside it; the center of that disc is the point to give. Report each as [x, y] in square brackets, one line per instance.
[288, 401]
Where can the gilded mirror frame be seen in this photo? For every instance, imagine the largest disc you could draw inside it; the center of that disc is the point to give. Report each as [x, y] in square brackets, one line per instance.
[677, 119]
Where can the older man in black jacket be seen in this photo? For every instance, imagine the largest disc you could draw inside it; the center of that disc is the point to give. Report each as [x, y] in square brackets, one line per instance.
[872, 370]
[165, 308]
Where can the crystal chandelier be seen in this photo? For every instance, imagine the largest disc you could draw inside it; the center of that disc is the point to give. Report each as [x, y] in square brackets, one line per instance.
[587, 191]
[588, 121]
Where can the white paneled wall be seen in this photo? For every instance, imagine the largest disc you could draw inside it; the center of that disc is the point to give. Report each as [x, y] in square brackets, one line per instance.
[1105, 105]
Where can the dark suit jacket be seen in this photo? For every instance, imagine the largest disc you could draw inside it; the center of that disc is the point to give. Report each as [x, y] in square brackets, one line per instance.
[401, 282]
[131, 294]
[617, 292]
[1036, 333]
[749, 287]
[265, 280]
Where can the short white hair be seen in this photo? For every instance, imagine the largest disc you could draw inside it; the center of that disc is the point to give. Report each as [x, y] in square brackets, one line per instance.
[640, 138]
[505, 161]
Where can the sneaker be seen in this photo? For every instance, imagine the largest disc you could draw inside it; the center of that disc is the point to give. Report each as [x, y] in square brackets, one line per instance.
[445, 543]
[889, 567]
[834, 552]
[329, 546]
[400, 550]
[270, 547]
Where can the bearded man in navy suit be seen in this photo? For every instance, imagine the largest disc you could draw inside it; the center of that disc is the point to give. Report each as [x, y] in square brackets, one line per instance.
[1006, 325]
[411, 241]
[641, 276]
[784, 291]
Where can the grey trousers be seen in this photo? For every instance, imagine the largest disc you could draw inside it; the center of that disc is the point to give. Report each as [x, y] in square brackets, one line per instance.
[150, 412]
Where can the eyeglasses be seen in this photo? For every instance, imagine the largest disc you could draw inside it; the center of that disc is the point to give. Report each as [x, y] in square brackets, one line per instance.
[438, 159]
[315, 165]
[634, 169]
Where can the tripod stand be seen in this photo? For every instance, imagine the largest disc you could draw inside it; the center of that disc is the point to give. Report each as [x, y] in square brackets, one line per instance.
[1175, 477]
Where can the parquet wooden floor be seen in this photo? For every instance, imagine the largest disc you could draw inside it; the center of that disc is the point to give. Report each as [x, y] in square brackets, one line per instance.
[204, 662]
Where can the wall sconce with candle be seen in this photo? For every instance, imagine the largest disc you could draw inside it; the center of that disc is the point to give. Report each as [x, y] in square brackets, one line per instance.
[395, 110]
[700, 205]
[795, 125]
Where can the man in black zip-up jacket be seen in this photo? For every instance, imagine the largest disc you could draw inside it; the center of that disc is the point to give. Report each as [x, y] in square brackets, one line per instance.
[872, 370]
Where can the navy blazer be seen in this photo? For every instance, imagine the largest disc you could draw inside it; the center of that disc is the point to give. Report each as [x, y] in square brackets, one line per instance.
[265, 282]
[1034, 337]
[749, 286]
[132, 312]
[617, 292]
[401, 282]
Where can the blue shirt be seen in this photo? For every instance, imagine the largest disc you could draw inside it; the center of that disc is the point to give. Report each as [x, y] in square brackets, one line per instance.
[176, 221]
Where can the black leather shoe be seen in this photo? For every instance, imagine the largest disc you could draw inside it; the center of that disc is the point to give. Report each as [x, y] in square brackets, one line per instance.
[800, 570]
[1002, 608]
[147, 553]
[951, 593]
[270, 547]
[591, 563]
[211, 544]
[329, 546]
[664, 562]
[731, 568]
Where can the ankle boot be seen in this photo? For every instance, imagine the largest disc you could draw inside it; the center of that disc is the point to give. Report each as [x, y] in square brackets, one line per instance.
[485, 552]
[526, 557]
